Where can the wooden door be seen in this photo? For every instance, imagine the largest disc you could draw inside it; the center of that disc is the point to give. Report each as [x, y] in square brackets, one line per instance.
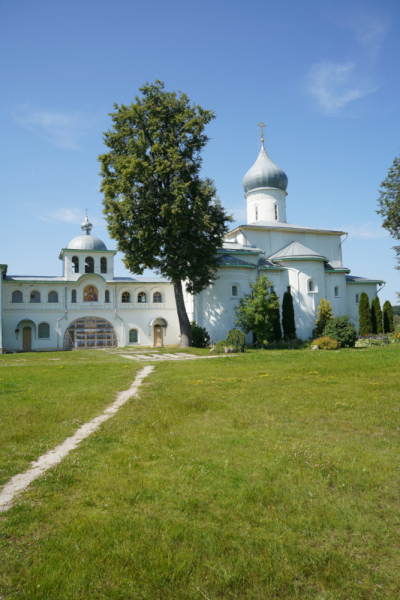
[26, 339]
[157, 335]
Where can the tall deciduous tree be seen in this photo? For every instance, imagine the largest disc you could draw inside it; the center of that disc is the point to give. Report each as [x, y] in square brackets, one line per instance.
[364, 313]
[288, 317]
[388, 325]
[255, 312]
[389, 203]
[163, 215]
[324, 314]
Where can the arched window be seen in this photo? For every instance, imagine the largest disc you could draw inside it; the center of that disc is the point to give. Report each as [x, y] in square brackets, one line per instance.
[75, 264]
[103, 265]
[89, 265]
[35, 297]
[133, 336]
[272, 289]
[73, 296]
[126, 297]
[141, 297]
[337, 291]
[53, 296]
[289, 289]
[157, 297]
[311, 285]
[357, 298]
[107, 296]
[256, 213]
[44, 331]
[234, 290]
[276, 212]
[16, 296]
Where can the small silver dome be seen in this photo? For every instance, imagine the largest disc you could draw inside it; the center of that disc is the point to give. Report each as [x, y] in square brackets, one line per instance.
[264, 174]
[86, 242]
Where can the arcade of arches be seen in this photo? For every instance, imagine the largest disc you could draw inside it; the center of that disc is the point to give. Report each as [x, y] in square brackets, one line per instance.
[89, 332]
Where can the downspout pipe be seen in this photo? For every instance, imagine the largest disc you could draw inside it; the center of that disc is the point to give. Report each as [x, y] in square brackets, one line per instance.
[63, 317]
[381, 288]
[340, 246]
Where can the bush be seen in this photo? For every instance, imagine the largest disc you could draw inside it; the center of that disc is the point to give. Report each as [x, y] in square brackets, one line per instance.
[288, 317]
[200, 337]
[237, 340]
[326, 343]
[220, 346]
[341, 330]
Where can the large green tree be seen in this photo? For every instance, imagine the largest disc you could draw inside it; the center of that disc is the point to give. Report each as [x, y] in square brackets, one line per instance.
[256, 311]
[364, 313]
[288, 317]
[388, 325]
[389, 203]
[162, 213]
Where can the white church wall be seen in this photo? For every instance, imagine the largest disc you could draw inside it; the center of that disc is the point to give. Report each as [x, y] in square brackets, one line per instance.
[354, 289]
[266, 200]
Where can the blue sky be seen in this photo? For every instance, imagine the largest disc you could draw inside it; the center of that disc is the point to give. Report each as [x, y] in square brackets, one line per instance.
[322, 75]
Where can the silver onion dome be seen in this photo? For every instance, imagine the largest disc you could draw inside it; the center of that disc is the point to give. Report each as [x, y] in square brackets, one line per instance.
[86, 241]
[264, 174]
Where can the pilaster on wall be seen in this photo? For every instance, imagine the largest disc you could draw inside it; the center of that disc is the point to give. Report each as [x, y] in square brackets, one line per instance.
[2, 270]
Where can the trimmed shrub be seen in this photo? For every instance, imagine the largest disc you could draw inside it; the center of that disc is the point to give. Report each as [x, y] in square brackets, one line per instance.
[388, 325]
[341, 330]
[200, 337]
[274, 330]
[364, 324]
[288, 320]
[220, 346]
[237, 340]
[326, 343]
[376, 316]
[325, 313]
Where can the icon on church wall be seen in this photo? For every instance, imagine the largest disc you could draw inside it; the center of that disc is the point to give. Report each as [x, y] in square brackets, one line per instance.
[90, 294]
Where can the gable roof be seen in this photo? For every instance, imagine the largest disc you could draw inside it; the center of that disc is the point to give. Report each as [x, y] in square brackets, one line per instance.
[296, 251]
[354, 279]
[232, 261]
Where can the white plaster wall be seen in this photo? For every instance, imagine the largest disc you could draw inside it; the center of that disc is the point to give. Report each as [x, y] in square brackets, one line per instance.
[123, 316]
[357, 288]
[266, 199]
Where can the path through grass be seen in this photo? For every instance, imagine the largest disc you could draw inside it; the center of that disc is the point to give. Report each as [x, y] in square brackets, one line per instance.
[273, 475]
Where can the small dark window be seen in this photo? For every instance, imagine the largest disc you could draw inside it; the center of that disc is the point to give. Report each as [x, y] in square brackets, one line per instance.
[35, 297]
[53, 296]
[256, 213]
[107, 296]
[103, 265]
[73, 296]
[89, 265]
[141, 297]
[337, 291]
[43, 331]
[311, 286]
[75, 264]
[357, 298]
[157, 297]
[133, 336]
[289, 289]
[17, 296]
[276, 212]
[234, 290]
[126, 297]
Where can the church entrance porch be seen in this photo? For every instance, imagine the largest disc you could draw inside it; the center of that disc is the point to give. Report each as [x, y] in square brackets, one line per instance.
[26, 339]
[89, 332]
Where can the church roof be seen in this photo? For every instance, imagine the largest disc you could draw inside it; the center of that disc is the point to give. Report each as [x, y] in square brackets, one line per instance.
[264, 263]
[86, 241]
[239, 248]
[264, 174]
[287, 226]
[233, 261]
[296, 251]
[354, 279]
[331, 269]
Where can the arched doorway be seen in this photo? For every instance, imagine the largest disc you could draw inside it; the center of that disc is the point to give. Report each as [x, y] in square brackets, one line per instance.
[26, 339]
[89, 332]
[158, 324]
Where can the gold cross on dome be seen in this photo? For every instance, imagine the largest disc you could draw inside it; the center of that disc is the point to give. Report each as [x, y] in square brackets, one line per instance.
[262, 132]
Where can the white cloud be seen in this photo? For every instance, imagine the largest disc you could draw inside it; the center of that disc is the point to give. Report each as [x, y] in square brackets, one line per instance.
[62, 129]
[370, 30]
[334, 85]
[68, 215]
[366, 231]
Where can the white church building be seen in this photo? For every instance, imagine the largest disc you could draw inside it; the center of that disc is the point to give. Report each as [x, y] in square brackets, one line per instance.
[87, 307]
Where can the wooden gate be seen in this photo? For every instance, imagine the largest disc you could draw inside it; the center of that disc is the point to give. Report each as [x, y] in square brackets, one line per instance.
[26, 339]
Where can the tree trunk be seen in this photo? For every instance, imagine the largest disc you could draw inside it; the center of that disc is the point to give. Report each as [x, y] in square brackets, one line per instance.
[184, 325]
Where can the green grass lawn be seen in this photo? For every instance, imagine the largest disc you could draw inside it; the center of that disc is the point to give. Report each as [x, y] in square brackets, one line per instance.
[268, 475]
